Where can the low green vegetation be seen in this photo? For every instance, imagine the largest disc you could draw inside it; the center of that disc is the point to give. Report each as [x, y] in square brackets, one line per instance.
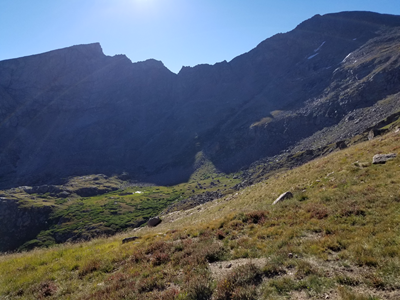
[337, 238]
[77, 218]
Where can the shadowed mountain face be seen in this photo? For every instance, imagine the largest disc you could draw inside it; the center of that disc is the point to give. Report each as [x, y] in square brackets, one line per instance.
[76, 111]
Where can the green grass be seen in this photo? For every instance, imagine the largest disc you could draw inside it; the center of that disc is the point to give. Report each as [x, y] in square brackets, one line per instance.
[81, 218]
[338, 235]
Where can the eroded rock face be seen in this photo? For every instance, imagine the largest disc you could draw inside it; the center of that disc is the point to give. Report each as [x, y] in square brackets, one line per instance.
[19, 224]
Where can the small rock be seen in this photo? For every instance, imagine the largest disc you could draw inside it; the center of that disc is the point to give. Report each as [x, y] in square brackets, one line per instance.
[284, 196]
[228, 266]
[129, 239]
[383, 158]
[290, 255]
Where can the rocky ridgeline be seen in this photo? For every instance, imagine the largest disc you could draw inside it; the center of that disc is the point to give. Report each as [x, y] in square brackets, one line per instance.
[76, 111]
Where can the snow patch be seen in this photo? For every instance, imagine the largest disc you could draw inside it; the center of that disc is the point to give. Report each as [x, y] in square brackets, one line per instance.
[316, 50]
[138, 192]
[312, 55]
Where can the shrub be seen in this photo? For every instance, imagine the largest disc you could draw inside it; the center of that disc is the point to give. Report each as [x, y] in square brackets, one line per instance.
[235, 224]
[159, 258]
[89, 267]
[282, 285]
[45, 289]
[149, 284]
[220, 234]
[346, 280]
[304, 269]
[198, 287]
[346, 294]
[255, 217]
[353, 210]
[317, 211]
[238, 282]
[244, 293]
[272, 269]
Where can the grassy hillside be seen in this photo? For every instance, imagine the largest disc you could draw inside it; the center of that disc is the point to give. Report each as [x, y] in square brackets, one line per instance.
[79, 216]
[337, 238]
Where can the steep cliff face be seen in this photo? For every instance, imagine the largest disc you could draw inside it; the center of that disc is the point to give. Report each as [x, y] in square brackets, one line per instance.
[19, 224]
[76, 111]
[306, 74]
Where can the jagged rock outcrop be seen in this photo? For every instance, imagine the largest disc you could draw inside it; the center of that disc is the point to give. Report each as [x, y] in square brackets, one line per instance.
[20, 222]
[75, 111]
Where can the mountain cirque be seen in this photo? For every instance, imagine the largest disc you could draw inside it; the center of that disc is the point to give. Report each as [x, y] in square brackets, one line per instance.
[75, 111]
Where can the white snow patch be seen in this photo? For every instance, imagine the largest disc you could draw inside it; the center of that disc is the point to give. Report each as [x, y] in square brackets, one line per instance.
[138, 192]
[312, 56]
[316, 50]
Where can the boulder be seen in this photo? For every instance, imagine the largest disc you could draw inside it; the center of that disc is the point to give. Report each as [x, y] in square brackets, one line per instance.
[64, 194]
[284, 196]
[341, 145]
[383, 158]
[154, 222]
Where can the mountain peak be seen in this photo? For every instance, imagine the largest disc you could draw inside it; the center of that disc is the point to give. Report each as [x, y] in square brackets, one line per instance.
[340, 20]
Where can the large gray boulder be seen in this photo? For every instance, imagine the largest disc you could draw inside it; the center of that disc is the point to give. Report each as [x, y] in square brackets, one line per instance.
[383, 158]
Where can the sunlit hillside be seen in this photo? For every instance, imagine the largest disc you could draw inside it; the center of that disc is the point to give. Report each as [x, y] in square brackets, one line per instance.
[337, 238]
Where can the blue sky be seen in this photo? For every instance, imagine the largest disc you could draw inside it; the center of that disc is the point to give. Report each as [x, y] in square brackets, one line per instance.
[177, 32]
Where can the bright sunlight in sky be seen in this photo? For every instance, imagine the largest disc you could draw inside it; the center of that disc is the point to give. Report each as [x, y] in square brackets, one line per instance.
[177, 32]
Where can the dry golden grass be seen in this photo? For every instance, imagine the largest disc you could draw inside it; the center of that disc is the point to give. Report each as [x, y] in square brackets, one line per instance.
[340, 229]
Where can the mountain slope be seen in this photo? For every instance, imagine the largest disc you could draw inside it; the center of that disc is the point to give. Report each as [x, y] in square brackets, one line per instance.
[75, 111]
[337, 238]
